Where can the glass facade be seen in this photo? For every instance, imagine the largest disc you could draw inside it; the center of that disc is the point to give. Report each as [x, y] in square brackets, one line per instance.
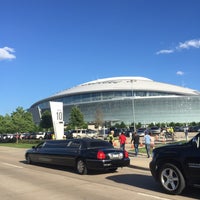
[117, 106]
[144, 110]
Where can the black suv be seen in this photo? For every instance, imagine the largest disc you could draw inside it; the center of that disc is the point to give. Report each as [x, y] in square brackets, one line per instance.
[177, 166]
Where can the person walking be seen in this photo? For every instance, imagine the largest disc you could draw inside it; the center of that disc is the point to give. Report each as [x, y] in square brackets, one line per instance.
[136, 142]
[111, 137]
[152, 142]
[186, 133]
[147, 142]
[122, 141]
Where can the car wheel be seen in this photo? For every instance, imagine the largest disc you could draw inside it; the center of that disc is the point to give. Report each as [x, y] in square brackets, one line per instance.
[171, 179]
[28, 159]
[81, 167]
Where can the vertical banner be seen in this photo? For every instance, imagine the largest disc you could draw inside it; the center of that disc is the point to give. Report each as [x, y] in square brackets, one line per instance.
[57, 118]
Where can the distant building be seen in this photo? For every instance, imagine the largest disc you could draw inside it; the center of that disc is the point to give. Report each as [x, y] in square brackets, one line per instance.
[127, 99]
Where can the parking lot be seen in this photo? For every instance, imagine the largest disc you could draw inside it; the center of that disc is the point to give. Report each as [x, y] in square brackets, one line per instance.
[20, 181]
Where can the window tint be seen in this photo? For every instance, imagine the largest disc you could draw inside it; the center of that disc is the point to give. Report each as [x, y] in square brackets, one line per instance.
[56, 144]
[74, 144]
[41, 145]
[100, 144]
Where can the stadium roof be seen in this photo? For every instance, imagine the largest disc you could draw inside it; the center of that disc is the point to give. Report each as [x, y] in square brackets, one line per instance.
[127, 83]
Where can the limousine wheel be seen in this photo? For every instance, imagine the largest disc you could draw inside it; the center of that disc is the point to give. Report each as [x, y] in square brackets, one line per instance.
[171, 179]
[81, 167]
[28, 159]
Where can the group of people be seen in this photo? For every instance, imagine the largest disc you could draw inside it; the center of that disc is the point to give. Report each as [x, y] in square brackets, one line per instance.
[122, 139]
[135, 140]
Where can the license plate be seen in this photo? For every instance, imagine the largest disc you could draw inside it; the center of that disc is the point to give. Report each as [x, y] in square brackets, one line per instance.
[115, 156]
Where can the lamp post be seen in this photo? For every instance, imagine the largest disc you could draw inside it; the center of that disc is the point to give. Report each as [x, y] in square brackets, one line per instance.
[133, 105]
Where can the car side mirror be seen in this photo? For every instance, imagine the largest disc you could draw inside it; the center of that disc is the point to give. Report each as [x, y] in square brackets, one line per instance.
[33, 147]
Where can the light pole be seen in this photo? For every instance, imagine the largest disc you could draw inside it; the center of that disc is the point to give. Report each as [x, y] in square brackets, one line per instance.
[133, 105]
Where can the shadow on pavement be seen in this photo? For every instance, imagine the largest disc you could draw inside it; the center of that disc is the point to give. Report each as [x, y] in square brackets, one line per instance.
[147, 182]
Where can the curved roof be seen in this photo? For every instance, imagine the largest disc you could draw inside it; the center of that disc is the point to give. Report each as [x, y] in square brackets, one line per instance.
[127, 83]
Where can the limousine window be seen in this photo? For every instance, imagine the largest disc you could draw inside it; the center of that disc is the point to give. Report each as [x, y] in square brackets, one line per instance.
[74, 144]
[100, 144]
[61, 144]
[41, 145]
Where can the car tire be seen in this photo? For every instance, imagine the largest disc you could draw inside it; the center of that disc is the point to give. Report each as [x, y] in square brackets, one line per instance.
[28, 159]
[81, 167]
[171, 179]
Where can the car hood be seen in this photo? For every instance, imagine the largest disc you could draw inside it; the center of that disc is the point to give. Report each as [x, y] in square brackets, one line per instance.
[169, 147]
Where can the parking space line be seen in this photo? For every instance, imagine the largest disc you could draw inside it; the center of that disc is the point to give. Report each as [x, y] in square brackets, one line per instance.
[152, 196]
[11, 165]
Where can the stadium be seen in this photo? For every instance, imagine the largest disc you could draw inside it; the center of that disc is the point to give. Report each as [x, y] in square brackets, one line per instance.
[128, 100]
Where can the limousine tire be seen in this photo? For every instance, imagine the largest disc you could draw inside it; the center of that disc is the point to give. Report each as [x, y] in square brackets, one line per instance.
[81, 167]
[28, 159]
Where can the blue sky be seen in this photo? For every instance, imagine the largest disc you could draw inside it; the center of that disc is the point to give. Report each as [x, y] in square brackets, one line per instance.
[47, 46]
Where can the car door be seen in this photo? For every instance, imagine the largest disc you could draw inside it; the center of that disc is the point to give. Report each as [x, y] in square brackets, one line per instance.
[39, 153]
[49, 152]
[193, 159]
[59, 153]
[72, 152]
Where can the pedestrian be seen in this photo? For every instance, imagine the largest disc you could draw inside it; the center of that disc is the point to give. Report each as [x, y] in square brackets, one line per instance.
[53, 137]
[136, 142]
[147, 142]
[186, 133]
[152, 142]
[111, 137]
[171, 130]
[122, 141]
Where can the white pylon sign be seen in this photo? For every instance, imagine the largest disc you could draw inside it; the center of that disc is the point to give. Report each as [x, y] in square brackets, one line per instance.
[57, 119]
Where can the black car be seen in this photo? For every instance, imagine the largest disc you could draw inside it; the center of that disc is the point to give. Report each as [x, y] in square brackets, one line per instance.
[177, 166]
[83, 154]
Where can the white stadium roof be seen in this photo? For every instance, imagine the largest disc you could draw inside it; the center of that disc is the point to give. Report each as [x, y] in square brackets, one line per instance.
[127, 83]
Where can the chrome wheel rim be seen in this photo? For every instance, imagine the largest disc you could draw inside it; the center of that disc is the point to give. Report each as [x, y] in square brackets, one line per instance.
[80, 166]
[28, 160]
[170, 179]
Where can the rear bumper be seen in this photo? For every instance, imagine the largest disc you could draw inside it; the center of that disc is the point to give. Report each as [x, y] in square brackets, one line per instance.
[107, 164]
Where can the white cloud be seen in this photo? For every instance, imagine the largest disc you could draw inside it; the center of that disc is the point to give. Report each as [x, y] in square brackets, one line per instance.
[167, 51]
[180, 73]
[188, 44]
[6, 53]
[195, 43]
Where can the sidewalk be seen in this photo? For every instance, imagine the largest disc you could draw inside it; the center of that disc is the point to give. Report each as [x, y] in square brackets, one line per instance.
[139, 162]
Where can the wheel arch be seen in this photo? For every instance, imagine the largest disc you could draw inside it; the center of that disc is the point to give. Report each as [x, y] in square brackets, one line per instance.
[174, 162]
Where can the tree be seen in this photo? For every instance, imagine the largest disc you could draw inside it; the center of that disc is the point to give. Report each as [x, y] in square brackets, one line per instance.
[21, 121]
[5, 124]
[76, 119]
[99, 118]
[122, 125]
[46, 120]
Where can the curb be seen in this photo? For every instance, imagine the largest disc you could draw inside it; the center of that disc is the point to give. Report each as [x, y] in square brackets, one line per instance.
[138, 167]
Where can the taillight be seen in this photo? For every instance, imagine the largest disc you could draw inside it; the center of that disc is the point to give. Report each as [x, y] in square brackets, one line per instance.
[101, 155]
[126, 154]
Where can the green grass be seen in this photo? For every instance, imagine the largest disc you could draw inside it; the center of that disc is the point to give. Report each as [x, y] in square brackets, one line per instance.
[19, 145]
